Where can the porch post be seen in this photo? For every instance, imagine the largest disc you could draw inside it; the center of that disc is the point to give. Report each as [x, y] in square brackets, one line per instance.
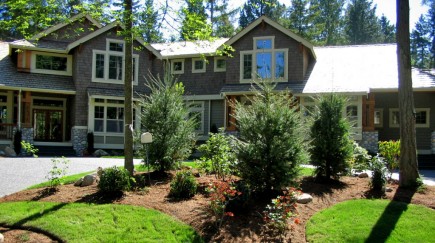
[19, 110]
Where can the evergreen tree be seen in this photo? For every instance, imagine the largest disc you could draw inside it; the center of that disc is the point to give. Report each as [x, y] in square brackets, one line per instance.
[147, 23]
[194, 25]
[388, 30]
[253, 9]
[362, 24]
[430, 16]
[300, 18]
[220, 18]
[328, 22]
[420, 44]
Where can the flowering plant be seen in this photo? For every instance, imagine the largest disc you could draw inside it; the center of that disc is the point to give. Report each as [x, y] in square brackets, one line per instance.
[221, 193]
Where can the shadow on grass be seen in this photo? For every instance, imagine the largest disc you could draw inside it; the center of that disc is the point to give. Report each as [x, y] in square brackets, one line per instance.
[391, 215]
[101, 197]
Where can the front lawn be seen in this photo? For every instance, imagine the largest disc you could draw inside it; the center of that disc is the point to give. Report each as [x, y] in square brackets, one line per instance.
[372, 221]
[77, 222]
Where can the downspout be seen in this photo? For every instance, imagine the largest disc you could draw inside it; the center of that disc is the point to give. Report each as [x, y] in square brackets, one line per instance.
[19, 110]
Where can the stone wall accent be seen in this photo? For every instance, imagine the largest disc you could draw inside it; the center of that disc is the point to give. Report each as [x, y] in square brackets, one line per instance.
[369, 141]
[79, 139]
[433, 142]
[27, 134]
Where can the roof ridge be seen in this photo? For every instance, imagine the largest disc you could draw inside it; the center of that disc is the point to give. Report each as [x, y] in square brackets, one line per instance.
[359, 45]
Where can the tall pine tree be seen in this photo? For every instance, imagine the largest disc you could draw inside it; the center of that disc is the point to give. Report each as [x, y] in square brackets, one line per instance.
[220, 18]
[300, 18]
[194, 25]
[388, 30]
[148, 25]
[328, 21]
[420, 44]
[254, 9]
[362, 24]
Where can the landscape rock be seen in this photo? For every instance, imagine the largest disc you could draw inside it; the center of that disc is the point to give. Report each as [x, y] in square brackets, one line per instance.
[88, 180]
[100, 152]
[2, 238]
[363, 175]
[78, 182]
[9, 152]
[2, 153]
[304, 198]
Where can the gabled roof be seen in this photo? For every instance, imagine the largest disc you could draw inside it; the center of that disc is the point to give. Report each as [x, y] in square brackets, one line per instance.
[61, 25]
[360, 69]
[276, 26]
[185, 49]
[65, 47]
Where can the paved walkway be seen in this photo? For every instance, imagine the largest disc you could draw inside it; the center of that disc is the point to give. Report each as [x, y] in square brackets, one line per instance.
[17, 174]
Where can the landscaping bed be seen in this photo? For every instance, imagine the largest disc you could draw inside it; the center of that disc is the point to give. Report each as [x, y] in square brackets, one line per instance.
[244, 226]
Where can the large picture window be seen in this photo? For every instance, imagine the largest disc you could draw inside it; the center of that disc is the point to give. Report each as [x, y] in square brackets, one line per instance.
[108, 65]
[270, 63]
[51, 63]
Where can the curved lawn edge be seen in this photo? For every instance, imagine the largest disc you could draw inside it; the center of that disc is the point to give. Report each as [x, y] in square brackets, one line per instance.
[79, 222]
[367, 220]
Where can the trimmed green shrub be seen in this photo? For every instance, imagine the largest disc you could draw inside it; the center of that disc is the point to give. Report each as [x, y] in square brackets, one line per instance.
[331, 146]
[379, 173]
[217, 155]
[360, 159]
[183, 185]
[272, 141]
[114, 179]
[164, 116]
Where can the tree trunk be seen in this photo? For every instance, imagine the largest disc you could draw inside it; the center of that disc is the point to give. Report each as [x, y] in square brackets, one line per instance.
[408, 150]
[128, 87]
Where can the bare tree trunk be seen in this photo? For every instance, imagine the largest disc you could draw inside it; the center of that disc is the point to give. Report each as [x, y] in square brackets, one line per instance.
[408, 149]
[128, 87]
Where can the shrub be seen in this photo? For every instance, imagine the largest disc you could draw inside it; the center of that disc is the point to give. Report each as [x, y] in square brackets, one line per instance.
[280, 210]
[390, 150]
[164, 115]
[114, 179]
[58, 170]
[184, 185]
[272, 141]
[331, 145]
[17, 142]
[221, 193]
[218, 156]
[29, 148]
[379, 171]
[360, 159]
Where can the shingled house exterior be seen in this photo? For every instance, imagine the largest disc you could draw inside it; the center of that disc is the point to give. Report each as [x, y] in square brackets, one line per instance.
[73, 82]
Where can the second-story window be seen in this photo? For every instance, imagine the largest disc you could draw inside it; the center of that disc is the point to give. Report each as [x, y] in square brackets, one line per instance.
[51, 63]
[198, 65]
[108, 65]
[264, 61]
[220, 64]
[177, 66]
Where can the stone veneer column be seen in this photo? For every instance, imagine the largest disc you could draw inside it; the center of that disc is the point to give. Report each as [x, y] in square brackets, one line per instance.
[370, 141]
[79, 139]
[27, 134]
[433, 142]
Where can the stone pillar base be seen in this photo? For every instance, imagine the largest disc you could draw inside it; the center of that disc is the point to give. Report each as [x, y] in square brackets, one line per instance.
[79, 139]
[433, 142]
[369, 141]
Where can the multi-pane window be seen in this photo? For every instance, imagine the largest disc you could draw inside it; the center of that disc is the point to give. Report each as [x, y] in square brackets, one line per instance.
[109, 116]
[196, 111]
[99, 119]
[378, 118]
[108, 65]
[51, 63]
[270, 63]
[198, 65]
[115, 119]
[352, 114]
[177, 66]
[220, 64]
[421, 117]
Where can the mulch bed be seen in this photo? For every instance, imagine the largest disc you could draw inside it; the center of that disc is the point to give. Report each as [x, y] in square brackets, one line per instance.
[245, 226]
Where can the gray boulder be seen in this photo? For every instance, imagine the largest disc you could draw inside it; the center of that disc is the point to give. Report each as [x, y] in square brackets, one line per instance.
[79, 182]
[304, 198]
[100, 152]
[88, 180]
[9, 152]
[363, 175]
[2, 238]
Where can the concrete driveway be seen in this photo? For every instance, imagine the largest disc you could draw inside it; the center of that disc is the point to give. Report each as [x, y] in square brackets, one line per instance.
[17, 174]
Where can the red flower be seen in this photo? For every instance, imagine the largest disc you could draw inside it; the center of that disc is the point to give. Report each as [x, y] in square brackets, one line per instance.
[297, 221]
[229, 214]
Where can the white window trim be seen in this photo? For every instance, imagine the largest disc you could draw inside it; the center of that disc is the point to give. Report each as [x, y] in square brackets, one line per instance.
[198, 70]
[33, 68]
[381, 117]
[356, 130]
[182, 66]
[216, 69]
[254, 61]
[264, 38]
[426, 125]
[200, 131]
[107, 53]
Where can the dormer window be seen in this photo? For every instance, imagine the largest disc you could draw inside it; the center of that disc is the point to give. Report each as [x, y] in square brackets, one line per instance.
[51, 63]
[270, 63]
[108, 65]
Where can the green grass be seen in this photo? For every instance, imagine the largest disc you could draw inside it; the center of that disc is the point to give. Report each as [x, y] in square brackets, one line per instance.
[78, 222]
[64, 180]
[372, 221]
[306, 171]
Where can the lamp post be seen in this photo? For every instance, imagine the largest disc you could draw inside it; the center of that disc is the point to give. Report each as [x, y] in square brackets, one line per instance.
[147, 138]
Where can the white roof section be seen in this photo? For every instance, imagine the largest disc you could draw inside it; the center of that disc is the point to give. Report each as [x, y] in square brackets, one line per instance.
[360, 69]
[185, 49]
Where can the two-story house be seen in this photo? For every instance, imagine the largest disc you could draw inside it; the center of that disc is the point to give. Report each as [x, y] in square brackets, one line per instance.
[73, 80]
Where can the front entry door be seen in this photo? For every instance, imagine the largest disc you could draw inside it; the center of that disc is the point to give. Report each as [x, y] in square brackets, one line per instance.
[47, 125]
